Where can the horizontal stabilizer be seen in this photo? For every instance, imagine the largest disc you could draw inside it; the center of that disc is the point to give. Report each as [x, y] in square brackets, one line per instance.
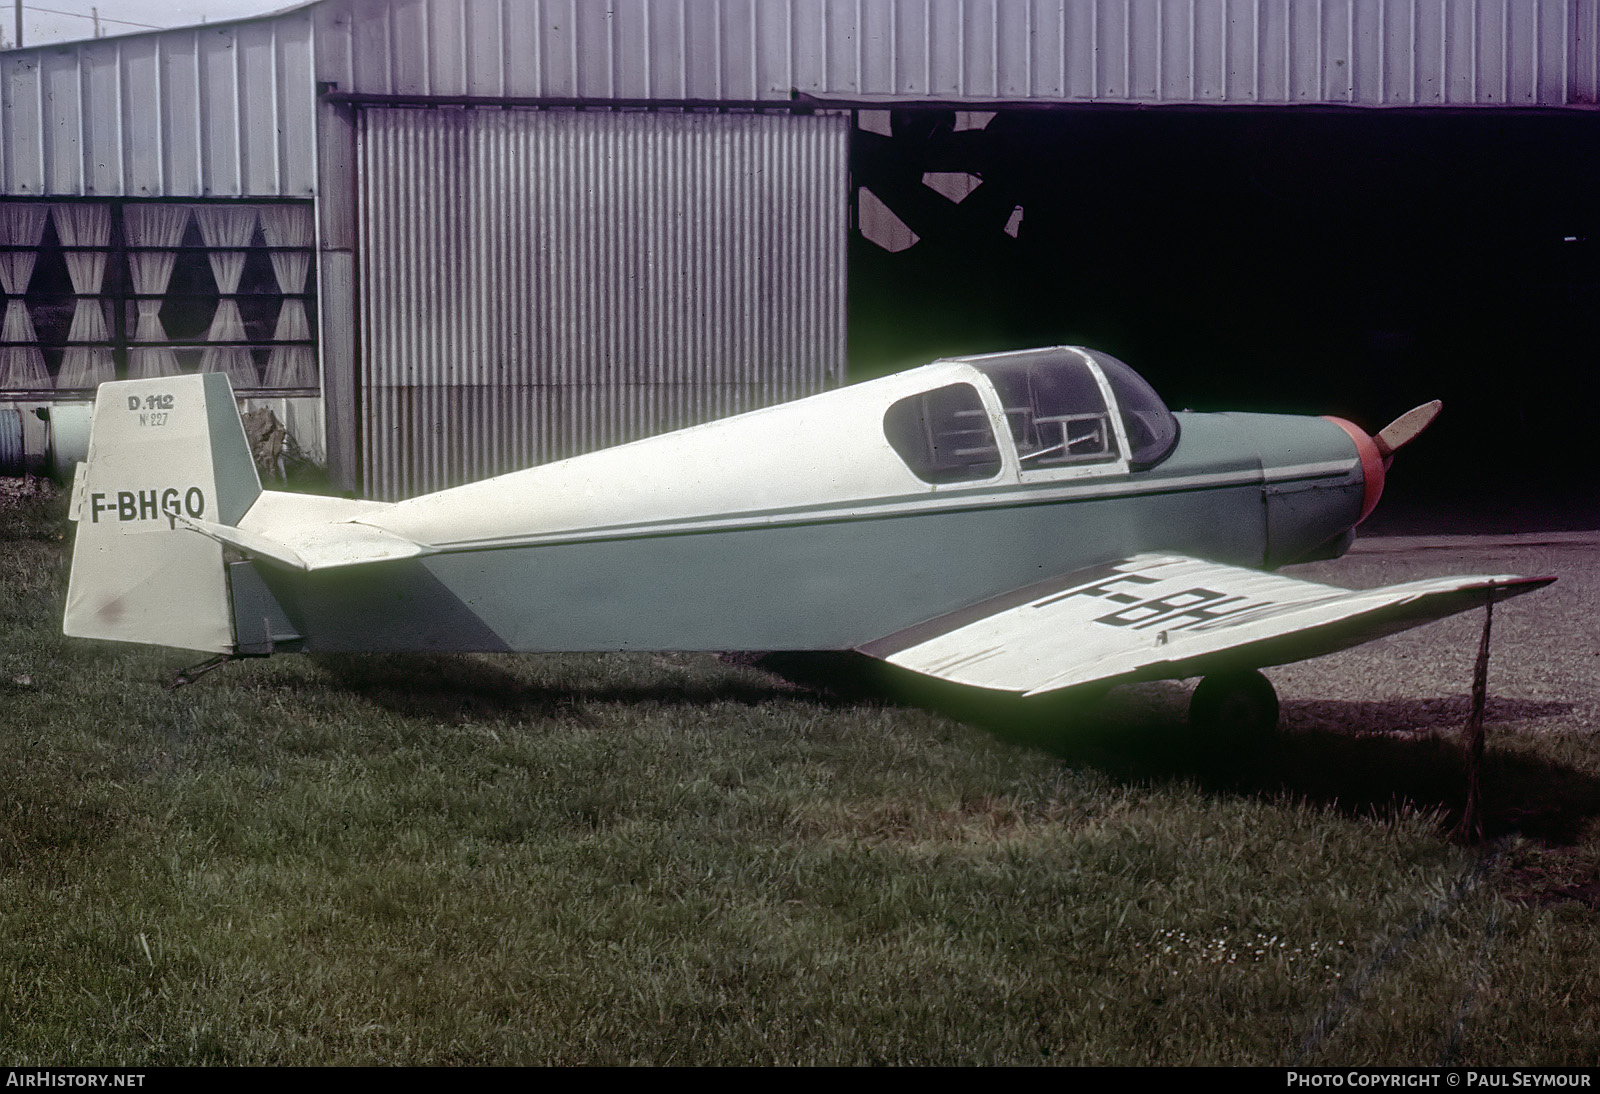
[248, 542]
[1166, 617]
[306, 532]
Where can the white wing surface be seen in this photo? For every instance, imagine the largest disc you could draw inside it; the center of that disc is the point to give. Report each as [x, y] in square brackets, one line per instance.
[1164, 617]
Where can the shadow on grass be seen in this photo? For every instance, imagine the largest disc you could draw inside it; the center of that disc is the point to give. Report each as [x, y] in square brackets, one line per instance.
[1362, 758]
[454, 687]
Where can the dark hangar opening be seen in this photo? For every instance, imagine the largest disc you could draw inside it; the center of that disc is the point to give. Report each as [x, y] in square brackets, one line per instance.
[1353, 262]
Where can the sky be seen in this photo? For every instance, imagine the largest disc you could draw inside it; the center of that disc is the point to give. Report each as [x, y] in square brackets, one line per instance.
[46, 21]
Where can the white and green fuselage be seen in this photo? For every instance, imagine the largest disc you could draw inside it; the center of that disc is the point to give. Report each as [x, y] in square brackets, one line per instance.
[822, 524]
[813, 577]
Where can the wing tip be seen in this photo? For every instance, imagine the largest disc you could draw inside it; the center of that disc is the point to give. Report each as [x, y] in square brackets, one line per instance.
[1520, 585]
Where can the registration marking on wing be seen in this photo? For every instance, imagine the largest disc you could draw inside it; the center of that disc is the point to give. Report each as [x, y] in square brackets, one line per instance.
[1172, 596]
[1156, 616]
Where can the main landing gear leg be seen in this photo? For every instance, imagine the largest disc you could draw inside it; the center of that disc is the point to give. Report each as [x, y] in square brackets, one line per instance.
[1238, 706]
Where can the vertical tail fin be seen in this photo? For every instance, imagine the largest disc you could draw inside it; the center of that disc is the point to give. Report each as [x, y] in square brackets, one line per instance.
[157, 449]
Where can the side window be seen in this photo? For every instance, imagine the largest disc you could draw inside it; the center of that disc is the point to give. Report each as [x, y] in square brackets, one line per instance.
[944, 435]
[1055, 411]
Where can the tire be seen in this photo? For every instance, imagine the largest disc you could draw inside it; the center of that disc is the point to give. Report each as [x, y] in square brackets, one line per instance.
[1235, 706]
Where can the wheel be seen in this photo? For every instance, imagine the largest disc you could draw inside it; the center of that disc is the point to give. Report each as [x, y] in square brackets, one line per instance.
[1237, 706]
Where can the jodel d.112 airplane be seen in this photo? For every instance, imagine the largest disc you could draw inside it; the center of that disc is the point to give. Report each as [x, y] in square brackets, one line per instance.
[1024, 522]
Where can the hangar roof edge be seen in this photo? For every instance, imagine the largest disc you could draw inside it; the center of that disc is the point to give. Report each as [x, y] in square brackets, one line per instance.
[229, 109]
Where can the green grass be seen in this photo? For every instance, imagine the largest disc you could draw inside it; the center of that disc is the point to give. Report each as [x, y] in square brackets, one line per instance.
[669, 859]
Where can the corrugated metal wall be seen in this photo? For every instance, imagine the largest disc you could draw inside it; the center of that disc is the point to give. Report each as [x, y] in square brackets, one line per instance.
[233, 110]
[13, 456]
[222, 111]
[1358, 52]
[229, 109]
[535, 284]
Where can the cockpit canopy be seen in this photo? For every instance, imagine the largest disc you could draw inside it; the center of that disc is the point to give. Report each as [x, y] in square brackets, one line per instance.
[1058, 405]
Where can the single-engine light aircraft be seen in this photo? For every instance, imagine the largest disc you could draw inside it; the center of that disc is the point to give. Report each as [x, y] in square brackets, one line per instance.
[1024, 522]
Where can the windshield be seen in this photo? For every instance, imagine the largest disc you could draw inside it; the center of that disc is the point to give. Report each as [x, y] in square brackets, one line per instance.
[1152, 430]
[1054, 407]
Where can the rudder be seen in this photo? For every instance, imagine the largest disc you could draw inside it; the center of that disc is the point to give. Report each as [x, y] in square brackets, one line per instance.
[158, 449]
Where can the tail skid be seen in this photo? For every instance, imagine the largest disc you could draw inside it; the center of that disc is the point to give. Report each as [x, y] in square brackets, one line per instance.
[159, 450]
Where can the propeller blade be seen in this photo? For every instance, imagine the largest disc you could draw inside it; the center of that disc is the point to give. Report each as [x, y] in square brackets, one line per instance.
[1406, 428]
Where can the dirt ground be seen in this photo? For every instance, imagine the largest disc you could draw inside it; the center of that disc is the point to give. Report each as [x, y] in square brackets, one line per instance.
[1382, 723]
[15, 490]
[1545, 656]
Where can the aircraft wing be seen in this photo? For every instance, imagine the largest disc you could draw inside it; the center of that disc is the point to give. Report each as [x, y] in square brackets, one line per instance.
[1166, 617]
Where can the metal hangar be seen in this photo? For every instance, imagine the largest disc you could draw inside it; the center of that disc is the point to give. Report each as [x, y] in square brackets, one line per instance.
[447, 238]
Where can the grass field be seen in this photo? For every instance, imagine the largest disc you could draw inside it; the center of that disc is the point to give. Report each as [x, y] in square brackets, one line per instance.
[671, 859]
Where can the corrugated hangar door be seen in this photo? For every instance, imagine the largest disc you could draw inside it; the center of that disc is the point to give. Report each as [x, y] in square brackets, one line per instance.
[538, 283]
